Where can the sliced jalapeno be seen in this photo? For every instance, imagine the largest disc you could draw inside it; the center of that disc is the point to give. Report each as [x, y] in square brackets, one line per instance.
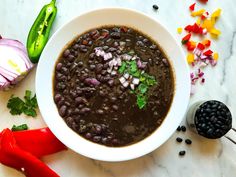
[39, 32]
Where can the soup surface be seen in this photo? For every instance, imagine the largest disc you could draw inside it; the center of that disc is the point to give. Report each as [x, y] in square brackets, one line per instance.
[113, 85]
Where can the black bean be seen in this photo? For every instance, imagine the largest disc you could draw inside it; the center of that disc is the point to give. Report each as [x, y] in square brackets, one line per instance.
[182, 153]
[153, 47]
[98, 129]
[97, 138]
[116, 44]
[62, 110]
[71, 58]
[85, 110]
[164, 60]
[178, 129]
[83, 50]
[115, 107]
[59, 66]
[92, 67]
[115, 35]
[179, 139]
[99, 68]
[111, 82]
[57, 97]
[105, 47]
[113, 99]
[100, 111]
[104, 140]
[80, 64]
[112, 49]
[188, 141]
[76, 46]
[183, 128]
[88, 135]
[150, 61]
[104, 72]
[115, 141]
[66, 53]
[92, 56]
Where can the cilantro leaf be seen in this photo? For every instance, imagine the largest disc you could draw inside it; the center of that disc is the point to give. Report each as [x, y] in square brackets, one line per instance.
[20, 127]
[15, 105]
[141, 101]
[133, 67]
[122, 67]
[28, 106]
[142, 88]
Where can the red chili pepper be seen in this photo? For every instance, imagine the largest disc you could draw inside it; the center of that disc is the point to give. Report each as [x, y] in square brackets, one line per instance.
[13, 156]
[192, 7]
[208, 53]
[186, 38]
[39, 142]
[200, 46]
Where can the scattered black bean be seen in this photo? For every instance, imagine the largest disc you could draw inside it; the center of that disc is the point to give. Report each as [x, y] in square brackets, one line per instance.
[188, 141]
[155, 7]
[179, 139]
[182, 153]
[183, 128]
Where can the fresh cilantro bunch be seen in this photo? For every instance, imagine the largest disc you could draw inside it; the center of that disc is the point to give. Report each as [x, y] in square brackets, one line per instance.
[27, 106]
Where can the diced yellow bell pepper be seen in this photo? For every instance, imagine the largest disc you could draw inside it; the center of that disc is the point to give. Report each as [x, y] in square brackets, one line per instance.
[216, 13]
[215, 56]
[207, 24]
[190, 58]
[198, 13]
[215, 31]
[198, 21]
[179, 30]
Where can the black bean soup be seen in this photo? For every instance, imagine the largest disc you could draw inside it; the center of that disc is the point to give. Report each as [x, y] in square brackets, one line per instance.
[113, 85]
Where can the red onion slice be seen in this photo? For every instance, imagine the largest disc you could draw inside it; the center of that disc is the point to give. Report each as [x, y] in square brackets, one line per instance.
[14, 62]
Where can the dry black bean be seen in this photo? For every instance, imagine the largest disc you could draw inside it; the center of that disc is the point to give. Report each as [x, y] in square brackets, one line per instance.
[179, 140]
[183, 128]
[188, 141]
[182, 153]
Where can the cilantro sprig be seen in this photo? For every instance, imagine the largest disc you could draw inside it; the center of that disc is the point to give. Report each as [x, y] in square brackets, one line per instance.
[146, 81]
[20, 127]
[27, 106]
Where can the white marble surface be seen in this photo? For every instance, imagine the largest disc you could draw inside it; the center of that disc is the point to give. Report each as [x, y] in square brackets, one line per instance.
[204, 158]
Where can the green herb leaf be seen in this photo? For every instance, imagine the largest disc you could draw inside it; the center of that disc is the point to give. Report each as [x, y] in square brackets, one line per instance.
[122, 67]
[141, 101]
[20, 127]
[16, 105]
[28, 106]
[133, 67]
[142, 88]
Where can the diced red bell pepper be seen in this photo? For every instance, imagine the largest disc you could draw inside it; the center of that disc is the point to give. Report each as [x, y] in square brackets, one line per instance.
[196, 28]
[39, 142]
[190, 46]
[208, 53]
[192, 7]
[204, 1]
[188, 28]
[186, 38]
[13, 156]
[200, 46]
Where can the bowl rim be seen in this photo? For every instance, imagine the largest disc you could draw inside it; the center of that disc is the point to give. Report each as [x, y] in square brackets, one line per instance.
[144, 151]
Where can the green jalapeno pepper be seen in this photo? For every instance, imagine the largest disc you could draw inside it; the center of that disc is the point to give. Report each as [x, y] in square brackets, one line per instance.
[39, 32]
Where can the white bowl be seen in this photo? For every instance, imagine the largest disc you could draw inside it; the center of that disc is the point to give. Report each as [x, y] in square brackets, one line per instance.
[97, 18]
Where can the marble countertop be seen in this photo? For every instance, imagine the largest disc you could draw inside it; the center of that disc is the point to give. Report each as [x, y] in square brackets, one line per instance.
[204, 158]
